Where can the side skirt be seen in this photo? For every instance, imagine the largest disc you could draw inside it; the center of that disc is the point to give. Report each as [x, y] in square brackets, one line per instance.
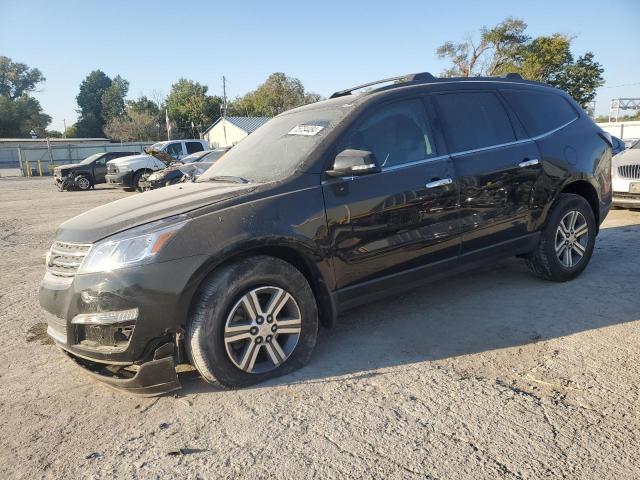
[372, 290]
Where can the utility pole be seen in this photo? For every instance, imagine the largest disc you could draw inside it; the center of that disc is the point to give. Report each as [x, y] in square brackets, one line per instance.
[224, 109]
[64, 132]
[224, 96]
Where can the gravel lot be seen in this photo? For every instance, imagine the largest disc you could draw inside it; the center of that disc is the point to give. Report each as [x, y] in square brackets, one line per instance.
[492, 374]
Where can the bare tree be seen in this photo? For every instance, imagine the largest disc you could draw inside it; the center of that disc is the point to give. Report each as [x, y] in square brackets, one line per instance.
[490, 55]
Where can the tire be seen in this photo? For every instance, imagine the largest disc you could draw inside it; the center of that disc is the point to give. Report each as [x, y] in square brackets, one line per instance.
[136, 180]
[567, 264]
[83, 183]
[220, 304]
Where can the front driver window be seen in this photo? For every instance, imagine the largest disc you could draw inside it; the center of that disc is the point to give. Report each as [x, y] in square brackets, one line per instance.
[396, 133]
[175, 150]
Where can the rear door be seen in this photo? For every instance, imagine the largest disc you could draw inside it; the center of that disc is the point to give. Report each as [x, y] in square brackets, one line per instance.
[403, 217]
[496, 168]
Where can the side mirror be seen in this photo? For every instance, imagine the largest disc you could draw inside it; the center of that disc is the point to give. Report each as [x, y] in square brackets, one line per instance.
[349, 163]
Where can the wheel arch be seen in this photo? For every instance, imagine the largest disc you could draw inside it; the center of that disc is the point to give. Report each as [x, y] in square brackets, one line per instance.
[586, 190]
[298, 257]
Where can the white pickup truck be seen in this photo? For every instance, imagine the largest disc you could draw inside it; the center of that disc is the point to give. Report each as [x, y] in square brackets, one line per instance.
[126, 172]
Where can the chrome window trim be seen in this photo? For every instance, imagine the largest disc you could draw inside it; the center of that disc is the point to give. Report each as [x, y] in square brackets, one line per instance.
[465, 152]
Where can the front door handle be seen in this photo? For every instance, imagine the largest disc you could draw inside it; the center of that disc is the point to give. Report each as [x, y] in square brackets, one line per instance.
[439, 183]
[529, 163]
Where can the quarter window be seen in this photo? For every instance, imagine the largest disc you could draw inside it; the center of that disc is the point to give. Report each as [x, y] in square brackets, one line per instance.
[540, 112]
[397, 133]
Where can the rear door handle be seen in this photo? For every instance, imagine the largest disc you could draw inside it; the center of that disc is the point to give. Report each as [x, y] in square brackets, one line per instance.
[439, 183]
[529, 163]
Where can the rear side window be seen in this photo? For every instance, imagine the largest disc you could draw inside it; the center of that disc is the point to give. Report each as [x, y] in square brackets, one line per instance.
[193, 147]
[540, 112]
[473, 120]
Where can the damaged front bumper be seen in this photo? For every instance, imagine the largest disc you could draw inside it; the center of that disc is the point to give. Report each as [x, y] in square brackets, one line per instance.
[154, 377]
[126, 326]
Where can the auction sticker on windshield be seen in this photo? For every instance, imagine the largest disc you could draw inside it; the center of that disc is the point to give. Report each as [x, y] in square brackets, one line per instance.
[307, 130]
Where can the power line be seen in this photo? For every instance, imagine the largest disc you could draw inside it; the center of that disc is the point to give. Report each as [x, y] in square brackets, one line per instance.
[623, 85]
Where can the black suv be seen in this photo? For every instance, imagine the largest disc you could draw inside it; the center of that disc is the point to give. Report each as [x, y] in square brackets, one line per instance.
[86, 174]
[324, 207]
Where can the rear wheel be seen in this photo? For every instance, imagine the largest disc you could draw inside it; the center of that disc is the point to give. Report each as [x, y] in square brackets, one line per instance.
[567, 240]
[252, 320]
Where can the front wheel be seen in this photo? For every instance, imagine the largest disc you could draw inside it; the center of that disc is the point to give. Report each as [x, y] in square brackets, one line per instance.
[252, 320]
[83, 183]
[139, 176]
[567, 240]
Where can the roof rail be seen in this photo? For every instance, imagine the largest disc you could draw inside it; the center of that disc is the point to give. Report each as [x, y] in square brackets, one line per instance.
[412, 77]
[513, 76]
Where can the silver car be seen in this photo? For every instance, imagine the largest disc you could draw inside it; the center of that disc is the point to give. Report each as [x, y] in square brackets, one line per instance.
[626, 177]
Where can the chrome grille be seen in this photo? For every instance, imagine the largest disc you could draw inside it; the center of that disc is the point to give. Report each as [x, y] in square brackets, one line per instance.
[629, 171]
[64, 258]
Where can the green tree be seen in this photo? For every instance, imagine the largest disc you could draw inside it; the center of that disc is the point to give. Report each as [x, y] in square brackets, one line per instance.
[545, 57]
[20, 113]
[17, 79]
[276, 95]
[100, 100]
[113, 99]
[143, 105]
[71, 131]
[506, 48]
[580, 79]
[190, 109]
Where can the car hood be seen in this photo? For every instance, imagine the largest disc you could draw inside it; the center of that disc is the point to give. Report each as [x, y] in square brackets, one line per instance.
[68, 166]
[142, 208]
[130, 158]
[627, 157]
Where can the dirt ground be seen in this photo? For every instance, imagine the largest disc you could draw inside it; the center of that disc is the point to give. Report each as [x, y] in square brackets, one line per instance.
[492, 374]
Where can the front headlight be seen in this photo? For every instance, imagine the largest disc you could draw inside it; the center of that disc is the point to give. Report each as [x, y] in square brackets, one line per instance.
[134, 246]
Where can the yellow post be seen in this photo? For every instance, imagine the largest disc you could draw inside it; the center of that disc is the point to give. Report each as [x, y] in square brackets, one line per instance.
[27, 168]
[39, 167]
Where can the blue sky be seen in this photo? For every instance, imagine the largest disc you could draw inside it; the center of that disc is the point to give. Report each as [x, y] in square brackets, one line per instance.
[327, 44]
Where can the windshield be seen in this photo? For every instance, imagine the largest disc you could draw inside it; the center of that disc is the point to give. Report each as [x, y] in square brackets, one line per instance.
[635, 145]
[276, 149]
[91, 158]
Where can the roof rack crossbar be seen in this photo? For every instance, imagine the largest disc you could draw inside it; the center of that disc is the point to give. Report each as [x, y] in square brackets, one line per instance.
[413, 77]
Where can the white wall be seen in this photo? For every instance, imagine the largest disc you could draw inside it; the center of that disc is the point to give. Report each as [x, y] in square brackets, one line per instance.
[622, 130]
[224, 134]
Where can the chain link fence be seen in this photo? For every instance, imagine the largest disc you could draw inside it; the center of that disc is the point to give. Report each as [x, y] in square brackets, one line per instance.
[41, 160]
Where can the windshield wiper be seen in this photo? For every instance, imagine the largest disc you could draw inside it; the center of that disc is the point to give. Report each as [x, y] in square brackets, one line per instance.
[227, 178]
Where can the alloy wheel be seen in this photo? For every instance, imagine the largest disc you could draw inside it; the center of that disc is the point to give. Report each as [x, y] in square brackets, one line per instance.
[83, 183]
[572, 237]
[262, 329]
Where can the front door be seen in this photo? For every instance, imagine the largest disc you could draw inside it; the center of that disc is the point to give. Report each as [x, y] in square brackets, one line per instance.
[100, 168]
[496, 171]
[403, 217]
